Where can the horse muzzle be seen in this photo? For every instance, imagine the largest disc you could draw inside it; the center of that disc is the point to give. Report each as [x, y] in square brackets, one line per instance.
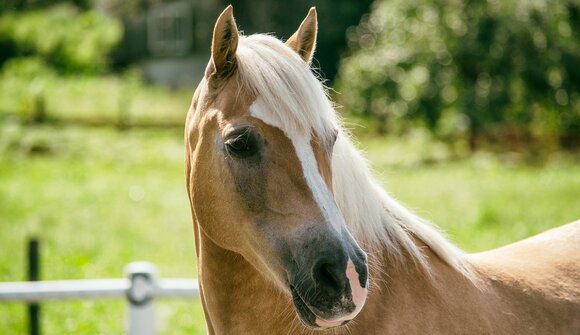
[332, 295]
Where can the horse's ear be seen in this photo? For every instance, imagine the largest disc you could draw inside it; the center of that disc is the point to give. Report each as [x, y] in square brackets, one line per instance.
[224, 45]
[304, 39]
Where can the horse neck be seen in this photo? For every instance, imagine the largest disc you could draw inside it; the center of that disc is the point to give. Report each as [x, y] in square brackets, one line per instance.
[405, 298]
[236, 297]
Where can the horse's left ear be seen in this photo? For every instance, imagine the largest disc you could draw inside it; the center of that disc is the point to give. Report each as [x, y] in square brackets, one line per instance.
[304, 39]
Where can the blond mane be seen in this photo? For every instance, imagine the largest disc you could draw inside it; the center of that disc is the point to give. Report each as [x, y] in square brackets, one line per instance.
[298, 100]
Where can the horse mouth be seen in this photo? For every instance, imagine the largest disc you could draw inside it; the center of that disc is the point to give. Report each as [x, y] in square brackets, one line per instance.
[308, 317]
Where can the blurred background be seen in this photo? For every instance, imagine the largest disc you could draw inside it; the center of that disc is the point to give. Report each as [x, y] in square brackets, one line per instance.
[469, 112]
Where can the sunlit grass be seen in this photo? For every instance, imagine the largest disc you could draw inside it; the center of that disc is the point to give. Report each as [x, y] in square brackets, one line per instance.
[484, 206]
[99, 199]
[483, 201]
[103, 99]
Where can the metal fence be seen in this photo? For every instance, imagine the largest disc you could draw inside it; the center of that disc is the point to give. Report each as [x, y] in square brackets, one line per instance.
[140, 287]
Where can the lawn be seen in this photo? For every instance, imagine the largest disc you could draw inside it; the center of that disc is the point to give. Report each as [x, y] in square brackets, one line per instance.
[100, 198]
[97, 199]
[98, 99]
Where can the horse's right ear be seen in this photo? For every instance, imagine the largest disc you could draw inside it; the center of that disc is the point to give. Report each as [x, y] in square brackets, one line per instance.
[224, 45]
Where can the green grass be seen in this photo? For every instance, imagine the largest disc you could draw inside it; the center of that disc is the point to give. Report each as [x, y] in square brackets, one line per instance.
[483, 206]
[484, 201]
[99, 198]
[92, 98]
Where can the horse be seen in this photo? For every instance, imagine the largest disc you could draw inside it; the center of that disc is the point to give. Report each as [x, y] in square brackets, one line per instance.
[294, 236]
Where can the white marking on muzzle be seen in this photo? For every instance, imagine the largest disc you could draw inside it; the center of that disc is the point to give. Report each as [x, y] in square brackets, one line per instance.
[359, 296]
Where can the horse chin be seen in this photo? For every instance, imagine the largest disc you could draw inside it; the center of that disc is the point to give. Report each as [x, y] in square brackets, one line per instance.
[308, 317]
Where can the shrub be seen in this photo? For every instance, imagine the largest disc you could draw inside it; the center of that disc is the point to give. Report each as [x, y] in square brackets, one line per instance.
[68, 40]
[470, 68]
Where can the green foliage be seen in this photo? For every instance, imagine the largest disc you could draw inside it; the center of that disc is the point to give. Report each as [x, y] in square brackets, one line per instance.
[68, 40]
[465, 68]
[26, 5]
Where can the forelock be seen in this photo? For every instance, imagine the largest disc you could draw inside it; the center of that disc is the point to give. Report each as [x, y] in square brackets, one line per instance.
[285, 86]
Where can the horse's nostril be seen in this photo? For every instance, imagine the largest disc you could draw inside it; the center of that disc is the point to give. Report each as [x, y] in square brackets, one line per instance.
[329, 276]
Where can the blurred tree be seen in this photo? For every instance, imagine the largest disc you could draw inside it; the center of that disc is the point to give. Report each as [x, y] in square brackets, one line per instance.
[66, 39]
[493, 68]
[126, 8]
[26, 5]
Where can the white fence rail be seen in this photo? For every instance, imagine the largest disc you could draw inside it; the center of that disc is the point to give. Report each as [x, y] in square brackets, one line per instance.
[140, 288]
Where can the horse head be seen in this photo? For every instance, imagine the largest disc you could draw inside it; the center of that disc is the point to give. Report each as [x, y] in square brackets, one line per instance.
[260, 134]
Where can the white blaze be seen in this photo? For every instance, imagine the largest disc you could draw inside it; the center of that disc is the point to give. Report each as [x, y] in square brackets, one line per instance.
[320, 192]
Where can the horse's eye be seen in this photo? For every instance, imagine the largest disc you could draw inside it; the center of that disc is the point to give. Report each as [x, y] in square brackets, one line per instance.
[242, 143]
[239, 144]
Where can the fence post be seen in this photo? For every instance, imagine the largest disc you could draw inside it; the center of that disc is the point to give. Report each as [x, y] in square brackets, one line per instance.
[39, 108]
[141, 309]
[33, 275]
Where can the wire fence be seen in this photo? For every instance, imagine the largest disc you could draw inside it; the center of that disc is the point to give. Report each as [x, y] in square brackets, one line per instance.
[140, 288]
